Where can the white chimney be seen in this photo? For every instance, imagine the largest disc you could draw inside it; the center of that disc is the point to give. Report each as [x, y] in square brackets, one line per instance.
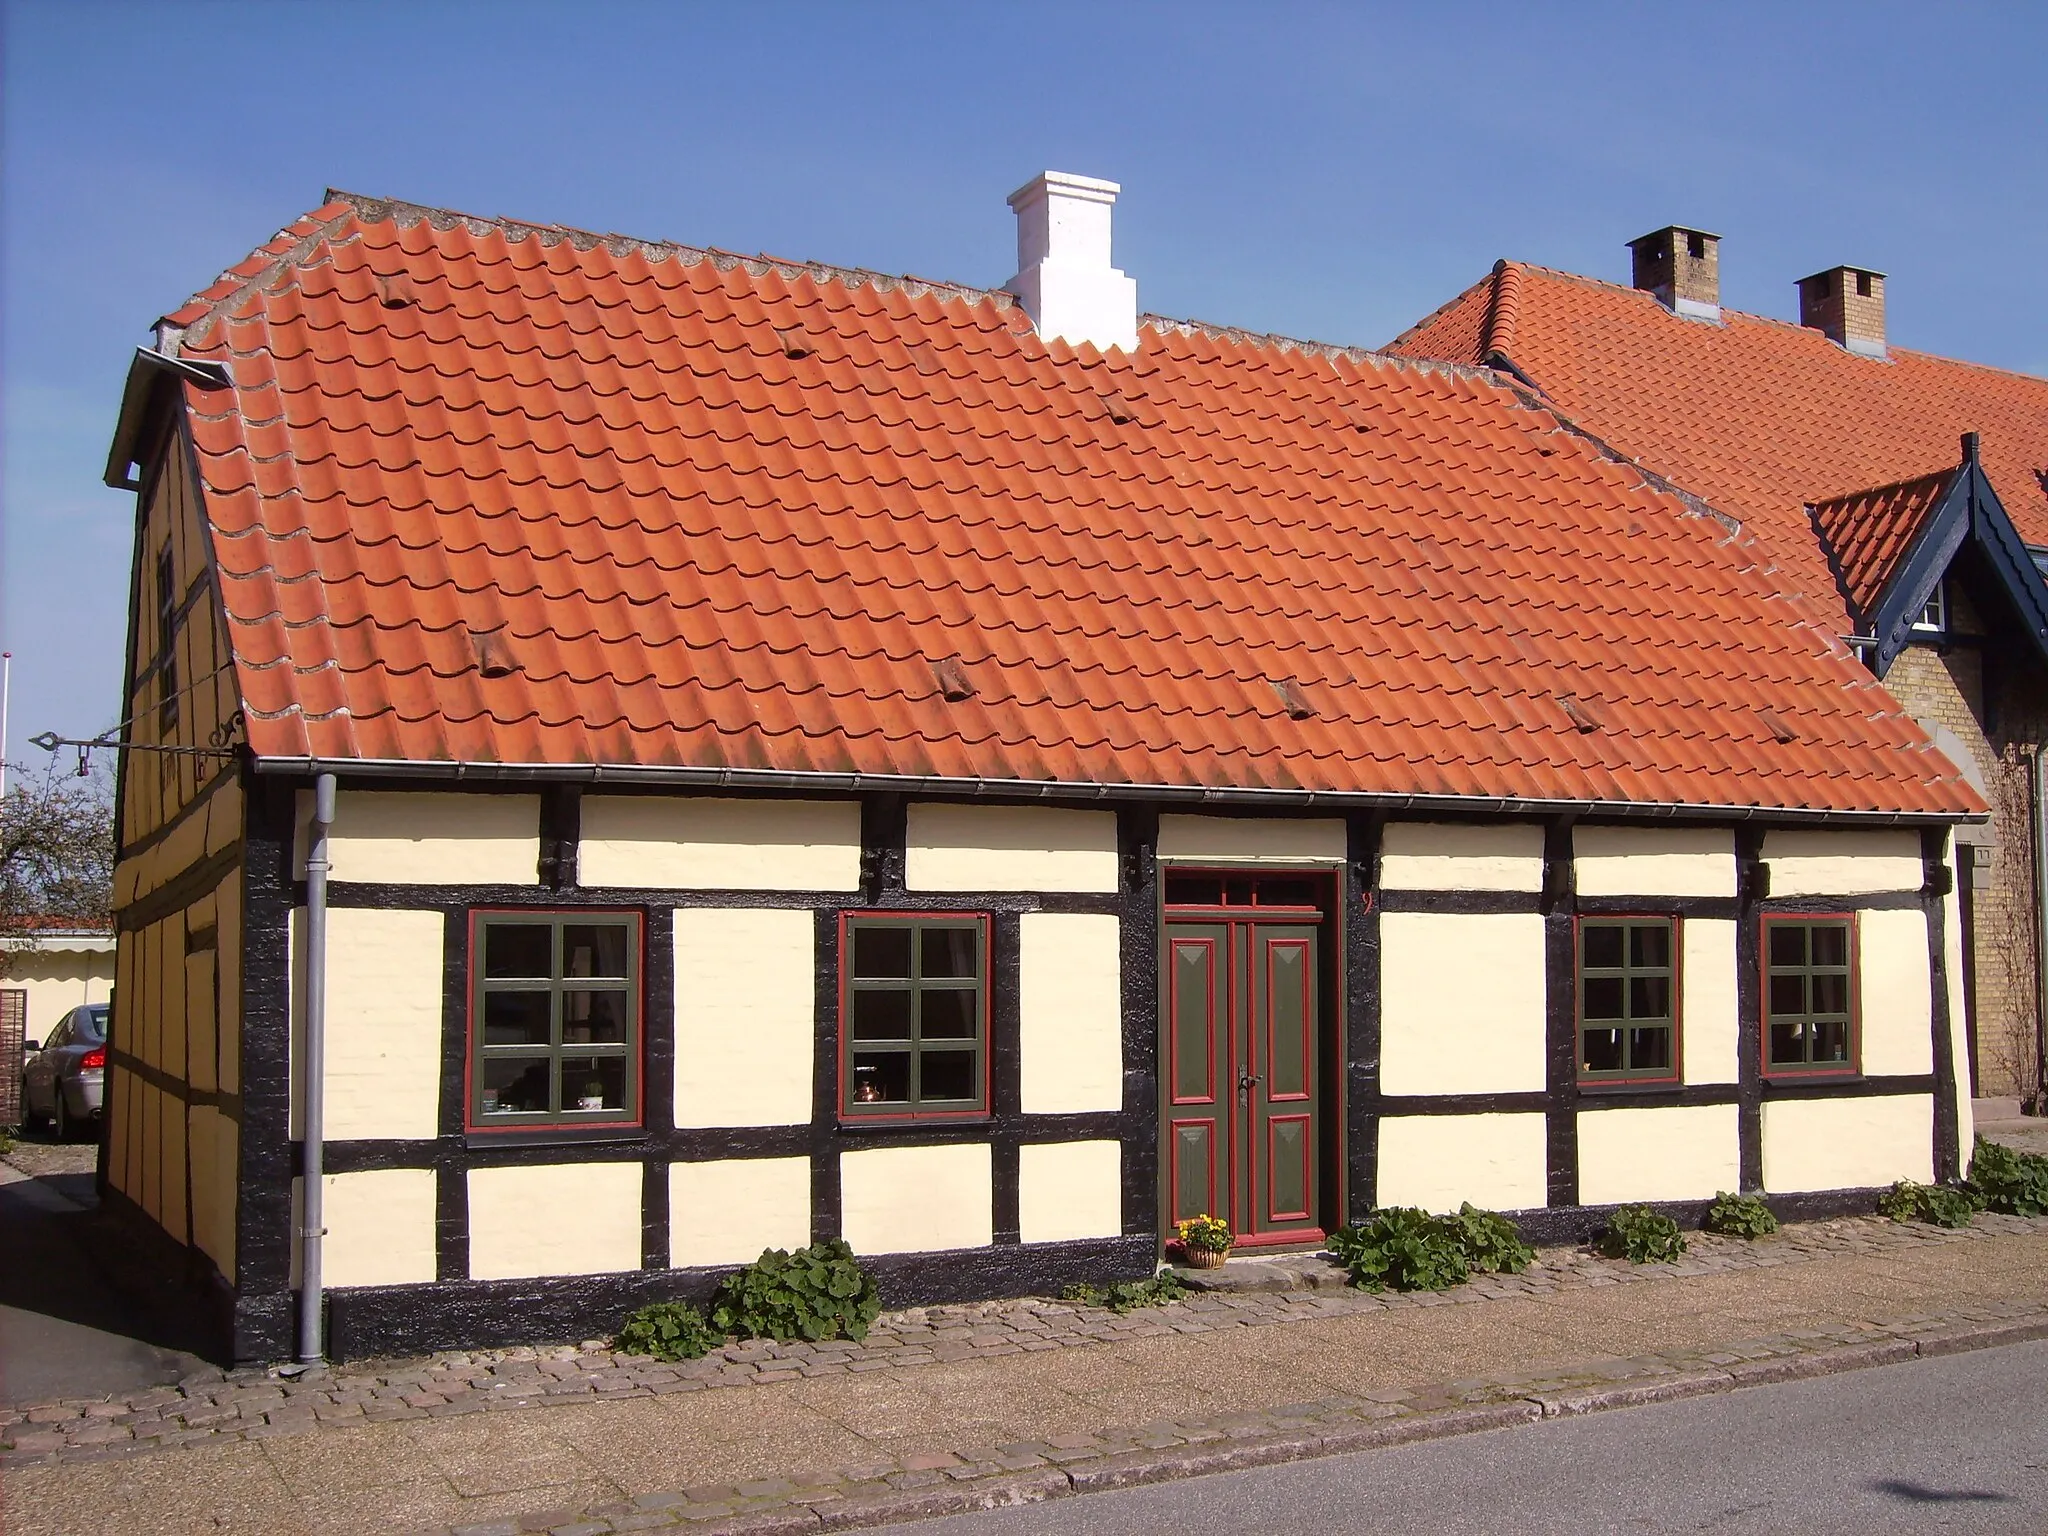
[1064, 278]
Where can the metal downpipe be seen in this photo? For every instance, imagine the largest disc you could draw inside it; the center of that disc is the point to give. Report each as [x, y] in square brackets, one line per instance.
[312, 1226]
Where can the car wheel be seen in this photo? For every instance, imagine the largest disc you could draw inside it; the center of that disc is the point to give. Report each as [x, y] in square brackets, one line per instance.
[61, 1119]
[29, 1118]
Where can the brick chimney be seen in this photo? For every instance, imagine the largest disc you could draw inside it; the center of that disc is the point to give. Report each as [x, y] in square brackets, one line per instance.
[1064, 278]
[1848, 304]
[1683, 268]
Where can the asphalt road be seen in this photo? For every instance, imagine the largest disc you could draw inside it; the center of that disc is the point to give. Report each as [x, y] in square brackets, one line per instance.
[64, 1332]
[1952, 1444]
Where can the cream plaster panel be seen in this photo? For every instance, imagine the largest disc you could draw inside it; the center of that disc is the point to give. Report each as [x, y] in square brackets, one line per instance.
[1069, 1189]
[1658, 1154]
[384, 978]
[1461, 1002]
[1895, 993]
[379, 1227]
[1710, 1024]
[554, 1219]
[1251, 839]
[729, 1211]
[917, 1199]
[434, 837]
[1653, 861]
[746, 1008]
[1009, 848]
[660, 842]
[1809, 863]
[1847, 1143]
[1498, 1162]
[1071, 1017]
[1958, 1026]
[1461, 856]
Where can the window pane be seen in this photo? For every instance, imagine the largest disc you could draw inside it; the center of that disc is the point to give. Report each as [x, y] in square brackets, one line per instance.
[1194, 890]
[519, 949]
[593, 1082]
[948, 1014]
[1603, 1050]
[1830, 993]
[517, 1018]
[881, 951]
[1830, 944]
[1649, 997]
[950, 952]
[881, 1013]
[1830, 1040]
[1788, 1045]
[1788, 944]
[1788, 994]
[1600, 945]
[1603, 997]
[1237, 893]
[515, 1084]
[594, 1018]
[1650, 945]
[1649, 1050]
[881, 1077]
[1287, 893]
[594, 949]
[948, 1075]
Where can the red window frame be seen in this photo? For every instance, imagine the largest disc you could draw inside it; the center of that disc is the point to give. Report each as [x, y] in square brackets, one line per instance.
[1676, 1076]
[852, 1116]
[1851, 1068]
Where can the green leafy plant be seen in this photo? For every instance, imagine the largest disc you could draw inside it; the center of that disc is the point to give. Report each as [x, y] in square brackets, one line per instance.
[1642, 1236]
[1932, 1203]
[2013, 1183]
[1206, 1234]
[667, 1330]
[6, 1143]
[1493, 1245]
[819, 1292]
[1122, 1296]
[1740, 1216]
[1404, 1249]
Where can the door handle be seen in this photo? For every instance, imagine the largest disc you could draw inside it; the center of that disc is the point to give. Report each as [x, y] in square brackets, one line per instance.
[1247, 1081]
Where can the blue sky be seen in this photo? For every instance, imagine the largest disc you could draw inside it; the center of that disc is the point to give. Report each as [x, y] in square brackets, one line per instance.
[1327, 171]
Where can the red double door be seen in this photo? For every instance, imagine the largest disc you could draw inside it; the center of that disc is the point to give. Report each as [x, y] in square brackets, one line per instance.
[1242, 1066]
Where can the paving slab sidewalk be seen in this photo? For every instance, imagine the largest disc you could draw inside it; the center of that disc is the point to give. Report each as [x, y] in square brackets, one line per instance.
[941, 1400]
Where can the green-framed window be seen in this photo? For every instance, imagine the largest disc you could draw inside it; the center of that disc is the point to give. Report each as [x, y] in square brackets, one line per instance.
[555, 1019]
[913, 1035]
[1628, 1018]
[1809, 998]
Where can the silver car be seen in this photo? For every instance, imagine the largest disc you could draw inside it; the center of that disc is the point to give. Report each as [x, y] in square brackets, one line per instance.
[64, 1080]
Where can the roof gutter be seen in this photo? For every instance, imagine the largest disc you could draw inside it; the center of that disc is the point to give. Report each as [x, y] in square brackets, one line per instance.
[1056, 789]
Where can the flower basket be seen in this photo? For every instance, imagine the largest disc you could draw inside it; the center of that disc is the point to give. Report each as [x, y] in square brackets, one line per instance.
[1206, 1258]
[1205, 1240]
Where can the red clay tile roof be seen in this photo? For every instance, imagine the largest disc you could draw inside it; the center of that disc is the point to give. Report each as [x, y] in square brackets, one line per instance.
[506, 494]
[1869, 534]
[1760, 417]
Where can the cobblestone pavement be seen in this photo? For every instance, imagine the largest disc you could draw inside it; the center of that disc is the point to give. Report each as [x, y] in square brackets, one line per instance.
[214, 1407]
[40, 1157]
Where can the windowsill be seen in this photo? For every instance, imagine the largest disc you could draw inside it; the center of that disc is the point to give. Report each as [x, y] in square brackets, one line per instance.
[1596, 1085]
[554, 1135]
[1779, 1076]
[914, 1122]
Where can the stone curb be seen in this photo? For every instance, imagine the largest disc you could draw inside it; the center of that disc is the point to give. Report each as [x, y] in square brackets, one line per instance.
[944, 1483]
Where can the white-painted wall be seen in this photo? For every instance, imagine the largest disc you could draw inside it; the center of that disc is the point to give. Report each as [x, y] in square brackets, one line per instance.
[729, 1211]
[554, 1219]
[1895, 993]
[1710, 1025]
[1461, 856]
[1653, 861]
[1461, 1002]
[1809, 863]
[380, 1227]
[971, 848]
[1498, 1162]
[1847, 1143]
[1958, 1021]
[917, 1199]
[746, 1013]
[681, 843]
[1251, 840]
[1068, 1190]
[1070, 1025]
[430, 837]
[57, 981]
[384, 976]
[1676, 1153]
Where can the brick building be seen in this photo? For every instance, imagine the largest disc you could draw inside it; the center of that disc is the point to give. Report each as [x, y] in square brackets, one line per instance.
[1903, 497]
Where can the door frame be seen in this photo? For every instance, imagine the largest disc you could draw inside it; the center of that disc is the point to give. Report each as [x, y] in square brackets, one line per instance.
[1333, 1015]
